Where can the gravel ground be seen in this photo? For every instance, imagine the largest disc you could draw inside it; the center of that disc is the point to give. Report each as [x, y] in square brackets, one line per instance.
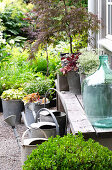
[10, 155]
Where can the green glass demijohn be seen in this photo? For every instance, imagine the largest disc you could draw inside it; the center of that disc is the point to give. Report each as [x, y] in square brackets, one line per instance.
[97, 95]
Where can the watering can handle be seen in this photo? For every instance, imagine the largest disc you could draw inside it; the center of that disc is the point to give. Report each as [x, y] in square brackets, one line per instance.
[61, 98]
[57, 126]
[62, 101]
[23, 136]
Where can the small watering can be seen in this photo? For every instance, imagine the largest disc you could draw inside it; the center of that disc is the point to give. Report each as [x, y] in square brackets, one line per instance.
[29, 144]
[61, 117]
[50, 128]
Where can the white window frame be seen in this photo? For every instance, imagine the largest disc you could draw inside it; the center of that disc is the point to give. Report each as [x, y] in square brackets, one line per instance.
[108, 36]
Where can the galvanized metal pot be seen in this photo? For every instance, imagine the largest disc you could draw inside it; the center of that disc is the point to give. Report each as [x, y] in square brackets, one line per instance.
[12, 107]
[74, 82]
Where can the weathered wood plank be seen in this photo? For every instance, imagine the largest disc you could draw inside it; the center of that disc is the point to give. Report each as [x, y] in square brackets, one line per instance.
[76, 116]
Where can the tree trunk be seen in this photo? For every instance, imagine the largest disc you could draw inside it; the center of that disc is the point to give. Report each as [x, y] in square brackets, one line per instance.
[47, 58]
[71, 44]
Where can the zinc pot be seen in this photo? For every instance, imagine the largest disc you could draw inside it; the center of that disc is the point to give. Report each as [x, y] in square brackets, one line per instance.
[62, 82]
[12, 107]
[74, 82]
[1, 110]
[60, 116]
[29, 144]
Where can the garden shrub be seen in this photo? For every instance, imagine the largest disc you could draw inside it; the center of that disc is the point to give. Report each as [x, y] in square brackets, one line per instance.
[18, 71]
[88, 61]
[12, 15]
[40, 62]
[70, 152]
[38, 85]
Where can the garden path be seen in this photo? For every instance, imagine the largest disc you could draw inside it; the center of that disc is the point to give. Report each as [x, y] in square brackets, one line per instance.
[10, 155]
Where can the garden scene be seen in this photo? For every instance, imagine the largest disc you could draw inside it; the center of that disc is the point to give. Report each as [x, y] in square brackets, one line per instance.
[47, 65]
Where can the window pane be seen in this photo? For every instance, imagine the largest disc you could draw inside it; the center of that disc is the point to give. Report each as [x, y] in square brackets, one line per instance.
[108, 19]
[111, 19]
[108, 0]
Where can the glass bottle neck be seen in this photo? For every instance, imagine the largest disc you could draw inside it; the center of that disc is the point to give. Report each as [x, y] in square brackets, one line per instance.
[104, 61]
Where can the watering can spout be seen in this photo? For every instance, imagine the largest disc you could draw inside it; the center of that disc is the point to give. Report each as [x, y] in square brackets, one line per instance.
[11, 120]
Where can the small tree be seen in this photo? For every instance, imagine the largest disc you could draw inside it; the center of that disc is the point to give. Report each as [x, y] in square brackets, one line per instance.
[54, 20]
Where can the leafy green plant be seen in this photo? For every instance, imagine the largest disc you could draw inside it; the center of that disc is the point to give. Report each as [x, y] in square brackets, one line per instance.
[18, 71]
[15, 71]
[69, 152]
[1, 88]
[38, 85]
[13, 94]
[12, 15]
[40, 63]
[88, 61]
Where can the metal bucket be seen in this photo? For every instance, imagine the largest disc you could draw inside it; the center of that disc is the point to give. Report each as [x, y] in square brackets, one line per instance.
[29, 144]
[12, 107]
[60, 116]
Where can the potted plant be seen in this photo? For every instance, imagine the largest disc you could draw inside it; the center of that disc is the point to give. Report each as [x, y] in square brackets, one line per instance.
[88, 62]
[42, 86]
[70, 68]
[33, 103]
[53, 21]
[12, 103]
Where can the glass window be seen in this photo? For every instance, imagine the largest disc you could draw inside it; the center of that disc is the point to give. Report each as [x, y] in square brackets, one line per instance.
[109, 17]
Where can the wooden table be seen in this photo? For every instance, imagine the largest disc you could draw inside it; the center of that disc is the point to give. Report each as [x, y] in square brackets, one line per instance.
[78, 121]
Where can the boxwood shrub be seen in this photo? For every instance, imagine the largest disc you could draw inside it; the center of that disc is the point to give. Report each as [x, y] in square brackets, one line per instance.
[70, 152]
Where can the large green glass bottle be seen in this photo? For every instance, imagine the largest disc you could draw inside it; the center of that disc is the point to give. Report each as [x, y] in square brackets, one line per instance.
[97, 95]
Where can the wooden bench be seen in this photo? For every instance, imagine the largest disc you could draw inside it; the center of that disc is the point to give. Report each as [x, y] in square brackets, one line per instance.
[78, 121]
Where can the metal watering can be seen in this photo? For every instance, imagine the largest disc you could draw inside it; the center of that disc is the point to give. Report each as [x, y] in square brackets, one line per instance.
[29, 144]
[50, 128]
[61, 117]
[39, 133]
[30, 111]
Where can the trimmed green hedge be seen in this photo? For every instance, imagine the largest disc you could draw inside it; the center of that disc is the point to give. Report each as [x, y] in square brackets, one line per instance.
[69, 153]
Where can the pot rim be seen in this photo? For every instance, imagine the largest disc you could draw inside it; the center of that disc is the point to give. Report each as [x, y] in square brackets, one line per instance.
[12, 100]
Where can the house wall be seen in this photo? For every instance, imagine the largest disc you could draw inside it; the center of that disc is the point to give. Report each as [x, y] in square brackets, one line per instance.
[98, 7]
